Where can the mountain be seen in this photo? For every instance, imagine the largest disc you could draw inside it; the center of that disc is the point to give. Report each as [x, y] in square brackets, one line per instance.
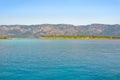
[30, 31]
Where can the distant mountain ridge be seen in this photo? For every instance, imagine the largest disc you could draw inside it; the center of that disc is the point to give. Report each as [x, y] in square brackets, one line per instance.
[30, 31]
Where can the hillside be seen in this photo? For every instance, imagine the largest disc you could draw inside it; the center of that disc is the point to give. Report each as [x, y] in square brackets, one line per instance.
[31, 31]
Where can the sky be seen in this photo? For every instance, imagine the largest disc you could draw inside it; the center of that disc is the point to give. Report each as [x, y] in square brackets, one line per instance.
[76, 12]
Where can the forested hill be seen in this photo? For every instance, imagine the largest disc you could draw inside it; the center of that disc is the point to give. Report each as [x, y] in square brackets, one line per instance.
[30, 31]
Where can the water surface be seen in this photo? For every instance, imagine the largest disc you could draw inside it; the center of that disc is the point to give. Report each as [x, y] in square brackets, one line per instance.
[60, 59]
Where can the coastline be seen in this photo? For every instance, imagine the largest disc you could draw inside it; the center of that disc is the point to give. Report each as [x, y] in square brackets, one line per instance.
[82, 37]
[61, 37]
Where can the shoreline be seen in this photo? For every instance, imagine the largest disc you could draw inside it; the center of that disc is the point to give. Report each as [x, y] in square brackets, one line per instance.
[83, 37]
[58, 39]
[75, 39]
[51, 37]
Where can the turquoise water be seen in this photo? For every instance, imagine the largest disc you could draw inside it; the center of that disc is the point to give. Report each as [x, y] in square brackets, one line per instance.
[60, 60]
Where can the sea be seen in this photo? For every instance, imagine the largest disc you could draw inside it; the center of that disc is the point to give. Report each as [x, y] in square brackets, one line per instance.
[59, 59]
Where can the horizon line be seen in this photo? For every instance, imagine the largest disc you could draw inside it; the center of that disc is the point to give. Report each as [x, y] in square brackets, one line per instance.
[61, 24]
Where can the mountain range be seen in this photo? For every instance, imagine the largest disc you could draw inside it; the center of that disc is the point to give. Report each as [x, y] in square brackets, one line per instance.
[31, 31]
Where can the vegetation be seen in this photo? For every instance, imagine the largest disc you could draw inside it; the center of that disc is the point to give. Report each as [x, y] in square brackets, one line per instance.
[71, 37]
[4, 38]
[29, 31]
[79, 37]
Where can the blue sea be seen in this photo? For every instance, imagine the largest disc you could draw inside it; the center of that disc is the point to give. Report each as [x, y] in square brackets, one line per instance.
[44, 59]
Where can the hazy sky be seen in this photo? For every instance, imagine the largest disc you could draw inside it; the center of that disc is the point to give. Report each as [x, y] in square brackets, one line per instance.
[75, 12]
